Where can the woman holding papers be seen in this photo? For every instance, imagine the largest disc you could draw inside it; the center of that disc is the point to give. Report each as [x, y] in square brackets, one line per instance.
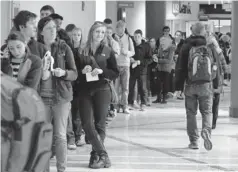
[96, 66]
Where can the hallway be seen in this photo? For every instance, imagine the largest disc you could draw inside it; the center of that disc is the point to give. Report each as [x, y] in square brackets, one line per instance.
[156, 140]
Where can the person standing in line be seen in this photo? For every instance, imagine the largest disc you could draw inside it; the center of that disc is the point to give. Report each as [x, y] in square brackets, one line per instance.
[46, 10]
[77, 42]
[123, 61]
[140, 62]
[178, 42]
[164, 66]
[25, 23]
[55, 88]
[96, 66]
[19, 63]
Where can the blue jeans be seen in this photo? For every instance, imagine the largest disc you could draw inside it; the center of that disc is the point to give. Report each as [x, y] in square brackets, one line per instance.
[59, 113]
[123, 82]
[201, 95]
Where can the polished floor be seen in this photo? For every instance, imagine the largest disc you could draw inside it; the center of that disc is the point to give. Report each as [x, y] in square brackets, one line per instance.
[156, 140]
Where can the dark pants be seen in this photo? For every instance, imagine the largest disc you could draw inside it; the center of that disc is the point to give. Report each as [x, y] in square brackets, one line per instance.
[142, 88]
[172, 81]
[93, 108]
[162, 83]
[77, 125]
[215, 107]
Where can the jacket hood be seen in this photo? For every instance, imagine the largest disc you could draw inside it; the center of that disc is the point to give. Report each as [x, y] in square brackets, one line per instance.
[196, 40]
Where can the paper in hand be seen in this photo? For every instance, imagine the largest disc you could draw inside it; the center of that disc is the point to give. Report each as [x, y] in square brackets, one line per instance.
[91, 78]
[134, 65]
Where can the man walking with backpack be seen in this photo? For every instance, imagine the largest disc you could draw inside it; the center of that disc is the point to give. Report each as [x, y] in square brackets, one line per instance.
[197, 69]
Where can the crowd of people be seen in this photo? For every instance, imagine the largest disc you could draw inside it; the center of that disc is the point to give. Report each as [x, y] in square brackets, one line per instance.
[75, 79]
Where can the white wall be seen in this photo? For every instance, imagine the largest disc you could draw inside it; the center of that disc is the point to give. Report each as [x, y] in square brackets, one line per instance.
[5, 20]
[135, 17]
[100, 10]
[111, 12]
[70, 10]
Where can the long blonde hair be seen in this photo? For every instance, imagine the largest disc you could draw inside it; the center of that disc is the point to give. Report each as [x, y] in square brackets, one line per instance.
[89, 43]
[77, 29]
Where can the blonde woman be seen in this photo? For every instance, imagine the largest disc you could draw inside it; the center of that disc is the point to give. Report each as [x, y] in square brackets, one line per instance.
[96, 65]
[77, 125]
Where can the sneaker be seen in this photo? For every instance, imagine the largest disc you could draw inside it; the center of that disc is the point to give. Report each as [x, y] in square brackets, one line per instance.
[142, 107]
[207, 139]
[72, 146]
[79, 142]
[136, 105]
[126, 111]
[193, 145]
[164, 101]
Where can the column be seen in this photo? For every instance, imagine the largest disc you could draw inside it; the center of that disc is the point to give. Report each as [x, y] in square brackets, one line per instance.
[234, 64]
[100, 10]
[155, 18]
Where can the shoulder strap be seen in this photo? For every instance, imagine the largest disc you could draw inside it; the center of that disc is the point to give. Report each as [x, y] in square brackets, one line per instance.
[18, 121]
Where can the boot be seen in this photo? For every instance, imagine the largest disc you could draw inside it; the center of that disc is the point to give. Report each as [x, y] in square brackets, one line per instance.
[164, 99]
[93, 158]
[103, 162]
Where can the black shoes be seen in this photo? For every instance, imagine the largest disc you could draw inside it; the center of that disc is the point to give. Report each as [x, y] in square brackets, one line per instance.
[93, 159]
[101, 161]
[157, 101]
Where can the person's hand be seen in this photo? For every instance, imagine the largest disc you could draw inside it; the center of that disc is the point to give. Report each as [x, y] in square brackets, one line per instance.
[155, 58]
[87, 69]
[5, 53]
[59, 72]
[124, 51]
[46, 74]
[138, 62]
[132, 60]
[96, 72]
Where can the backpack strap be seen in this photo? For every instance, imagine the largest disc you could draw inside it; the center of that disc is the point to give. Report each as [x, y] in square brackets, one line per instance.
[18, 121]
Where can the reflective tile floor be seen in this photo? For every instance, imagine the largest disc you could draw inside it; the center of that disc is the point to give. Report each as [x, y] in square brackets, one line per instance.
[156, 140]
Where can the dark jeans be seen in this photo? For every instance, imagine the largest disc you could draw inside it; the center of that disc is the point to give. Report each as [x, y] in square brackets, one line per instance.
[162, 83]
[215, 107]
[142, 88]
[172, 81]
[198, 95]
[77, 125]
[93, 109]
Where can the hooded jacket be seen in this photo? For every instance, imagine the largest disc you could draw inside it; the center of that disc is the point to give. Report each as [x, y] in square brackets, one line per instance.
[182, 69]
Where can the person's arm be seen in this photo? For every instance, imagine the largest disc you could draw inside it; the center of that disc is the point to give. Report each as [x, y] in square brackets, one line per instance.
[34, 75]
[182, 71]
[115, 47]
[71, 73]
[223, 63]
[131, 50]
[148, 55]
[111, 71]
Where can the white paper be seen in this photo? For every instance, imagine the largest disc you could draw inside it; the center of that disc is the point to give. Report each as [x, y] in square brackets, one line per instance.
[134, 65]
[91, 78]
